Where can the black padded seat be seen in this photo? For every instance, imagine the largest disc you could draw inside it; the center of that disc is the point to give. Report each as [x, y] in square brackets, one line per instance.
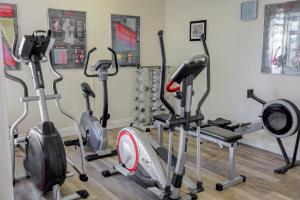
[162, 118]
[221, 134]
[219, 122]
[85, 87]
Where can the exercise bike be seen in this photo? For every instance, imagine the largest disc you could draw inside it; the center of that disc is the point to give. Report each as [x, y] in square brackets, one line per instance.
[95, 131]
[141, 161]
[45, 160]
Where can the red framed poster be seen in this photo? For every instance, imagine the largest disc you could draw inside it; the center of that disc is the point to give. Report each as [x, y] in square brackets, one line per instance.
[126, 39]
[9, 27]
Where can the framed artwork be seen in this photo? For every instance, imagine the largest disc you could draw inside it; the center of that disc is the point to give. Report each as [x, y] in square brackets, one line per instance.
[69, 31]
[9, 27]
[281, 43]
[126, 39]
[196, 29]
[249, 10]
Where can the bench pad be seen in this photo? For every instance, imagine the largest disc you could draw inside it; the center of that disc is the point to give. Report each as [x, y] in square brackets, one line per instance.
[221, 134]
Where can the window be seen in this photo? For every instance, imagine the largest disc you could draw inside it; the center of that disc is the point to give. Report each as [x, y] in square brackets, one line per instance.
[281, 48]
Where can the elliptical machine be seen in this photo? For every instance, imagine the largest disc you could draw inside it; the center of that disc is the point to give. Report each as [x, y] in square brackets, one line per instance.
[96, 130]
[140, 160]
[45, 158]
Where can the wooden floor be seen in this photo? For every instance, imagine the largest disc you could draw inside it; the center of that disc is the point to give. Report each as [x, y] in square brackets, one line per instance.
[255, 164]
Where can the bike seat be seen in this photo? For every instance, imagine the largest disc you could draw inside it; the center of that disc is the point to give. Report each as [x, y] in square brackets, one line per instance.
[85, 87]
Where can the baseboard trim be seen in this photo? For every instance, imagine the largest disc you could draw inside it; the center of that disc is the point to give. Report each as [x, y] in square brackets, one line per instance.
[67, 131]
[119, 123]
[262, 140]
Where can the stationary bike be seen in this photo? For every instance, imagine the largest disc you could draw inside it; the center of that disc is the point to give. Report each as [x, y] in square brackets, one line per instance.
[140, 160]
[45, 157]
[95, 131]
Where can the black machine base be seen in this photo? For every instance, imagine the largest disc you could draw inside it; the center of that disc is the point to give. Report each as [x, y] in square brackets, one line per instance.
[83, 177]
[108, 173]
[290, 163]
[193, 196]
[284, 169]
[74, 142]
[96, 156]
[83, 194]
[91, 157]
[200, 187]
[220, 187]
[71, 143]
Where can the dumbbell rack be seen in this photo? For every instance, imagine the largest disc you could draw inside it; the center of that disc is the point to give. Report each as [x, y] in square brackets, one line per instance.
[147, 99]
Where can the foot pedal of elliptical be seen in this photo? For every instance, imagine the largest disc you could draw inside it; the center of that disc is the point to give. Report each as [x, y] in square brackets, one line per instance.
[72, 143]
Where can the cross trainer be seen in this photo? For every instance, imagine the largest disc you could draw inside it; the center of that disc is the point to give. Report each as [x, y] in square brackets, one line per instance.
[139, 160]
[45, 160]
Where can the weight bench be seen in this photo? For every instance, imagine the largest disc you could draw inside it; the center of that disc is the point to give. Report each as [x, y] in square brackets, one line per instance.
[218, 135]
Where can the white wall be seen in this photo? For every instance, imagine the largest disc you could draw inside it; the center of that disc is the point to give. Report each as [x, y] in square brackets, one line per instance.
[236, 48]
[6, 187]
[33, 15]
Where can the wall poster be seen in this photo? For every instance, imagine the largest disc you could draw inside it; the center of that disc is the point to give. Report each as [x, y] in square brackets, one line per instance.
[69, 30]
[126, 39]
[9, 27]
[281, 44]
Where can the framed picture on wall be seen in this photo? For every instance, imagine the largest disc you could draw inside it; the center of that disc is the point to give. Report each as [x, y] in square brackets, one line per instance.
[126, 39]
[281, 44]
[8, 27]
[196, 29]
[69, 30]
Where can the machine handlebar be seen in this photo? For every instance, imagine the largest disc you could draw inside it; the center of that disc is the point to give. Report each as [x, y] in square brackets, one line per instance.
[18, 60]
[170, 89]
[86, 63]
[204, 97]
[250, 94]
[163, 75]
[115, 60]
[15, 56]
[59, 76]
